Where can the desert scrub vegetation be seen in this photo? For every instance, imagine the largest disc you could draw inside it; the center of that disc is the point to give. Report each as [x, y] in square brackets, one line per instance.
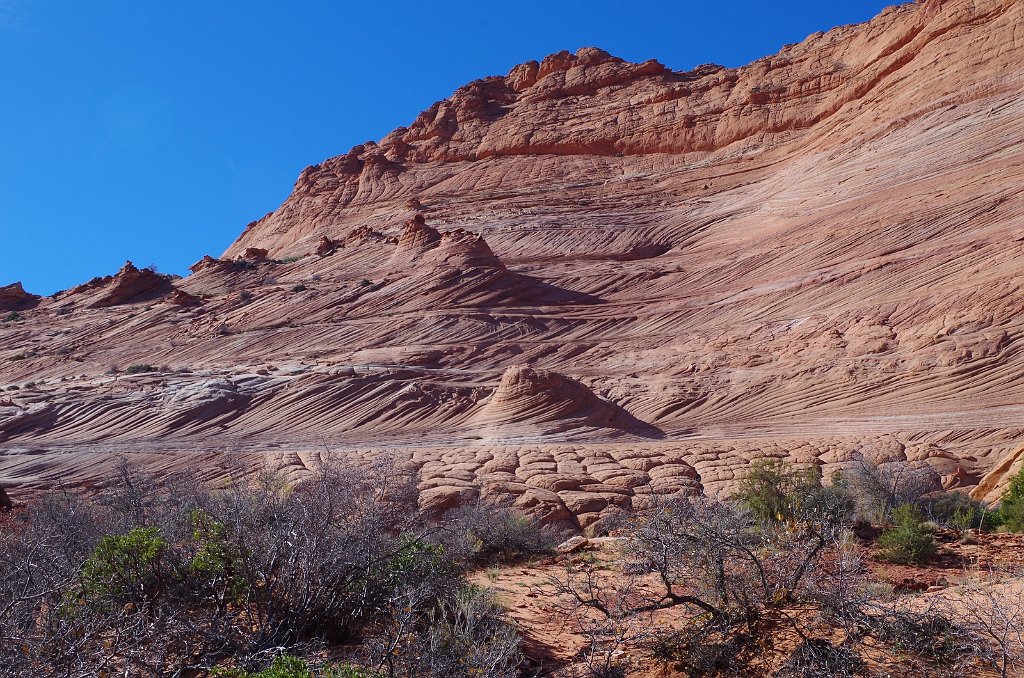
[174, 578]
[910, 540]
[772, 581]
[139, 369]
[1010, 515]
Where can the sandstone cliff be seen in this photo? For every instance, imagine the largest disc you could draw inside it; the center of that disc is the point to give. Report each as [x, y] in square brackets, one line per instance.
[813, 257]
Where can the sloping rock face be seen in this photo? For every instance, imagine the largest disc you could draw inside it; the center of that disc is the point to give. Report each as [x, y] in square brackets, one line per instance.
[130, 285]
[815, 257]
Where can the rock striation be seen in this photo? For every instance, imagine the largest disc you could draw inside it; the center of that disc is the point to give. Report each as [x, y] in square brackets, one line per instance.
[588, 283]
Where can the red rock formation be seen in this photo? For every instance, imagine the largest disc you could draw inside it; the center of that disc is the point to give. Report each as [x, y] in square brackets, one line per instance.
[326, 246]
[183, 298]
[813, 257]
[13, 297]
[254, 254]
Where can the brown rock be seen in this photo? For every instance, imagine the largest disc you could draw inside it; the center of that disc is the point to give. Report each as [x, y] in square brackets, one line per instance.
[326, 246]
[183, 298]
[13, 297]
[572, 545]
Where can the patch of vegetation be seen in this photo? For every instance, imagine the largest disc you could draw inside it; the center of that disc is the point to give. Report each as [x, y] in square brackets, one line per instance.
[24, 355]
[1011, 506]
[13, 317]
[299, 288]
[167, 572]
[910, 541]
[776, 491]
[139, 369]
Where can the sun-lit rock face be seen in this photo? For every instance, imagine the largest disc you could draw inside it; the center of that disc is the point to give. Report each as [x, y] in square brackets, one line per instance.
[587, 283]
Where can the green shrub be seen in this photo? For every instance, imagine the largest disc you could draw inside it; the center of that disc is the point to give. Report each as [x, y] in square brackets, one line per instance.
[490, 534]
[13, 316]
[909, 541]
[299, 288]
[284, 666]
[1011, 505]
[139, 369]
[960, 513]
[775, 491]
[124, 564]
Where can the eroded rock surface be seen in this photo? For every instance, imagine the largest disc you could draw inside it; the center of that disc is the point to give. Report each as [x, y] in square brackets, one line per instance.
[588, 283]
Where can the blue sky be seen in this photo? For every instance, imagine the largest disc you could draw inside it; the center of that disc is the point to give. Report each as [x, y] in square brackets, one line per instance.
[154, 131]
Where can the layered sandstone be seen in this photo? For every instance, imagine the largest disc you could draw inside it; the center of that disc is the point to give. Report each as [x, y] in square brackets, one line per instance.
[590, 282]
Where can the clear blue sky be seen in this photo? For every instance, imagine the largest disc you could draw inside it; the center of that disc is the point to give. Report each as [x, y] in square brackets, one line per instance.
[154, 131]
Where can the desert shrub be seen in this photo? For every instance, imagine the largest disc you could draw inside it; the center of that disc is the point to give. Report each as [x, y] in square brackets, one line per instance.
[13, 316]
[245, 296]
[288, 666]
[960, 513]
[775, 491]
[464, 636]
[879, 487]
[926, 634]
[818, 658]
[1011, 505]
[772, 489]
[125, 565]
[910, 541]
[139, 369]
[158, 578]
[731, 571]
[299, 288]
[486, 534]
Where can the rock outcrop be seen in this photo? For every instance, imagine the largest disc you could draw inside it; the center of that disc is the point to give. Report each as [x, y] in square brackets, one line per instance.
[541, 402]
[814, 257]
[13, 297]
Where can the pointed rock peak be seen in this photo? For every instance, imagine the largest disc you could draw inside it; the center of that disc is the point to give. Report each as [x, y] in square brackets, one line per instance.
[183, 298]
[326, 246]
[129, 285]
[207, 262]
[585, 56]
[465, 248]
[13, 297]
[417, 236]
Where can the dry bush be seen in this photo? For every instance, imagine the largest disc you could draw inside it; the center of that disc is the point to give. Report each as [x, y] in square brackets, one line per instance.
[161, 580]
[879, 487]
[487, 534]
[745, 586]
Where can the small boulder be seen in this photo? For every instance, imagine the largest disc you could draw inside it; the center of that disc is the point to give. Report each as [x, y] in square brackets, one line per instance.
[5, 502]
[326, 246]
[572, 545]
[183, 298]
